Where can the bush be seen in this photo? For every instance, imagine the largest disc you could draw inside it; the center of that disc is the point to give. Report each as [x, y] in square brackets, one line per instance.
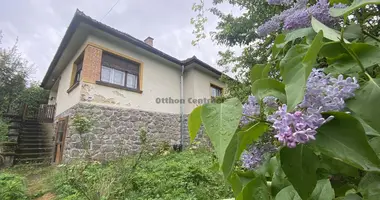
[12, 187]
[3, 130]
[186, 175]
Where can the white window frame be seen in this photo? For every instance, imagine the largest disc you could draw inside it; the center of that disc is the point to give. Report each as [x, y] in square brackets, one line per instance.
[136, 81]
[112, 76]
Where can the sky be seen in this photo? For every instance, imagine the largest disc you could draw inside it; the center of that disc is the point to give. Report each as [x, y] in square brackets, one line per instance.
[39, 26]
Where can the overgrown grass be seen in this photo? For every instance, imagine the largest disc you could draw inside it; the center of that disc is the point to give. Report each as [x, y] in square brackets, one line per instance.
[186, 175]
[36, 180]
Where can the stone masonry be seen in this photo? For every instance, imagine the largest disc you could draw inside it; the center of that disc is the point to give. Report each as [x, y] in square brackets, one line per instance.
[115, 131]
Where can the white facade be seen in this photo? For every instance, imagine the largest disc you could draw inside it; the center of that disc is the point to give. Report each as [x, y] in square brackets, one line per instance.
[160, 83]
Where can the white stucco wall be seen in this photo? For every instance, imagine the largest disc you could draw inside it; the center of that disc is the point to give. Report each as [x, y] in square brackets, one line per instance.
[197, 85]
[66, 100]
[52, 97]
[159, 80]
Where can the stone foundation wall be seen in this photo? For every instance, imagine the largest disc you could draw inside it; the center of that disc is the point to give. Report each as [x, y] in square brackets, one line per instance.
[115, 131]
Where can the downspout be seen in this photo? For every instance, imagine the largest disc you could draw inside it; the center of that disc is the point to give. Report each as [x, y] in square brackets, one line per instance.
[182, 107]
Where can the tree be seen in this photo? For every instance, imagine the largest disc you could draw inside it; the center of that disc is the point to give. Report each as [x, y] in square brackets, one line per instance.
[14, 72]
[33, 96]
[242, 31]
[238, 31]
[323, 120]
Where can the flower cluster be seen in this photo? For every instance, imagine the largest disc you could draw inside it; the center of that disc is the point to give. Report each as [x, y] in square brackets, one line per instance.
[258, 152]
[326, 93]
[280, 2]
[295, 128]
[323, 93]
[251, 108]
[298, 16]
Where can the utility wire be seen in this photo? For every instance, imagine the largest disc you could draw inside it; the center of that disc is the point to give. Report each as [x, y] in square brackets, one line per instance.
[110, 10]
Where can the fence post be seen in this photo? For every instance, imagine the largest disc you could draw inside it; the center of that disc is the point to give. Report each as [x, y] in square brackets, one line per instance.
[24, 112]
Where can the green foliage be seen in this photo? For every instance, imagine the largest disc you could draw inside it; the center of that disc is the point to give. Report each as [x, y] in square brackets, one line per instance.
[296, 67]
[340, 61]
[194, 122]
[355, 5]
[300, 166]
[363, 103]
[186, 175]
[259, 71]
[322, 191]
[220, 122]
[269, 87]
[344, 138]
[343, 160]
[328, 33]
[14, 71]
[82, 124]
[33, 96]
[12, 187]
[369, 186]
[255, 189]
[292, 36]
[3, 130]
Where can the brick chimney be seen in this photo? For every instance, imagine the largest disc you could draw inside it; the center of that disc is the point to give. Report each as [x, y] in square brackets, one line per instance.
[149, 41]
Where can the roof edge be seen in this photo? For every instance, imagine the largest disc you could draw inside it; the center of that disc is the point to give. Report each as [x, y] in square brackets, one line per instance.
[80, 17]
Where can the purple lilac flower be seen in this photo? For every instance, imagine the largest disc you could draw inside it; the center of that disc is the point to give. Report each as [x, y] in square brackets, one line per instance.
[326, 93]
[298, 16]
[323, 93]
[295, 128]
[251, 108]
[321, 12]
[339, 5]
[280, 2]
[270, 26]
[298, 19]
[257, 153]
[270, 101]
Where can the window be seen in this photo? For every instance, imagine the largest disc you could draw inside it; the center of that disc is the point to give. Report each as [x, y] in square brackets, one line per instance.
[216, 91]
[77, 70]
[114, 76]
[120, 71]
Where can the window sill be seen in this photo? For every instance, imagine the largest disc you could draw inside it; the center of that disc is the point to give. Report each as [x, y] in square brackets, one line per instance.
[73, 87]
[118, 86]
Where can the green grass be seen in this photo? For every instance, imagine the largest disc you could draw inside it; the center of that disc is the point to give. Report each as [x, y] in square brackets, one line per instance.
[185, 175]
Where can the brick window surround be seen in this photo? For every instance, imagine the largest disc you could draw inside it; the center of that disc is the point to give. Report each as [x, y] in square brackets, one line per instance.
[92, 65]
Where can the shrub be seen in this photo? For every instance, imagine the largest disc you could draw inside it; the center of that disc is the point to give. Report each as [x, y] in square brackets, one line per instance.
[12, 187]
[3, 130]
[186, 175]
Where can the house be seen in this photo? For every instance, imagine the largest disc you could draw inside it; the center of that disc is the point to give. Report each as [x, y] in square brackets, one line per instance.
[122, 85]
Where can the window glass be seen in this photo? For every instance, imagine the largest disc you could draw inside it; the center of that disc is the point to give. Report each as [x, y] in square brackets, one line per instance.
[118, 77]
[132, 81]
[120, 71]
[216, 92]
[106, 74]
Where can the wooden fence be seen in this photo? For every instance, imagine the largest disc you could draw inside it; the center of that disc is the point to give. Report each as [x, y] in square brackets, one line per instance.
[44, 114]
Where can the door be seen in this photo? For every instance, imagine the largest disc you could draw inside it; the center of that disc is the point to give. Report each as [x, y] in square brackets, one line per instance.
[60, 139]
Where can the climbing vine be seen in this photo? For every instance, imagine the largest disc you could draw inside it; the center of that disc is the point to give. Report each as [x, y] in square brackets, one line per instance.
[313, 133]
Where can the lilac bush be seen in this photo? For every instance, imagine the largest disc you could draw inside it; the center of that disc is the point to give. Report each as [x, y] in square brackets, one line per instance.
[250, 109]
[323, 93]
[298, 16]
[256, 154]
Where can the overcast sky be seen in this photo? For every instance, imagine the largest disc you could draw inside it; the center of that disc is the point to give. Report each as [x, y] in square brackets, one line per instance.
[41, 24]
